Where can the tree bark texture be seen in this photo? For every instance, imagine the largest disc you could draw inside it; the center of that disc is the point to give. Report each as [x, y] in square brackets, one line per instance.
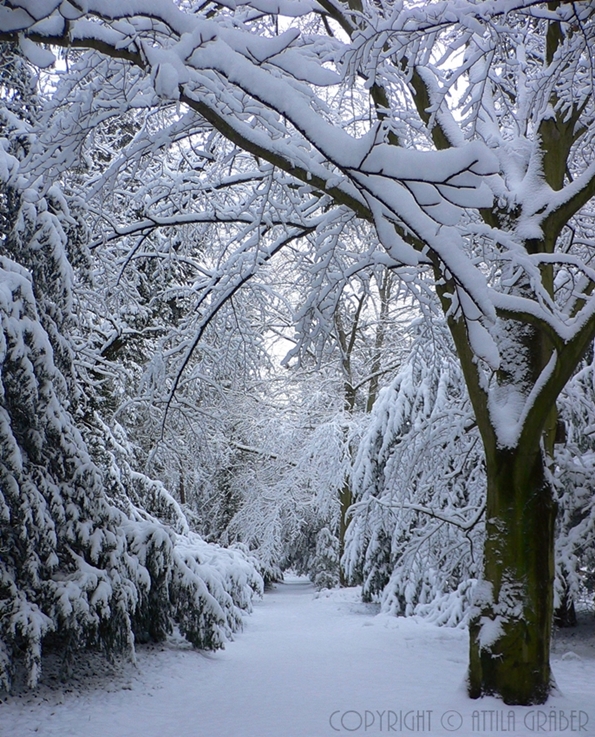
[510, 628]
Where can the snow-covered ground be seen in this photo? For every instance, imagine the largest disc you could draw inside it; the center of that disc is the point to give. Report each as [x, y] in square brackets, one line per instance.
[306, 665]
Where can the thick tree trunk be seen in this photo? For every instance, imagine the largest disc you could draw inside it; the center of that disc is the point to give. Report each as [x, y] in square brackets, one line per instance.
[510, 629]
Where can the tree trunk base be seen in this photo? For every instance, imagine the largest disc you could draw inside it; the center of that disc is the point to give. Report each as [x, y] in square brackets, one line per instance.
[511, 622]
[516, 668]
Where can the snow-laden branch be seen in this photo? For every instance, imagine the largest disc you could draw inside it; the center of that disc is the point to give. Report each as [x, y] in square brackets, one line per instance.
[232, 281]
[459, 521]
[149, 224]
[198, 54]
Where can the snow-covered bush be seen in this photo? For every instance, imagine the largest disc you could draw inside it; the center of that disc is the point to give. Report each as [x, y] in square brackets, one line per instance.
[79, 559]
[416, 531]
[574, 473]
[326, 561]
[92, 554]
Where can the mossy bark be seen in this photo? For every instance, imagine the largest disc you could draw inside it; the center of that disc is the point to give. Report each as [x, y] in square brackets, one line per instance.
[510, 628]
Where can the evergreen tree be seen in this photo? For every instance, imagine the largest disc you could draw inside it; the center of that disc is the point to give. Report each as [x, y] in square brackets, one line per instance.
[93, 555]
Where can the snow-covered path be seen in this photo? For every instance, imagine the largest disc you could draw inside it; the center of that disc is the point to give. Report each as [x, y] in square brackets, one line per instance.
[304, 667]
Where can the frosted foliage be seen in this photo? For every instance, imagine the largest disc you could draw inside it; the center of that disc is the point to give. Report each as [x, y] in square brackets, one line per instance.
[326, 561]
[417, 542]
[61, 552]
[416, 533]
[574, 473]
[418, 480]
[93, 554]
[288, 490]
[74, 563]
[453, 168]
